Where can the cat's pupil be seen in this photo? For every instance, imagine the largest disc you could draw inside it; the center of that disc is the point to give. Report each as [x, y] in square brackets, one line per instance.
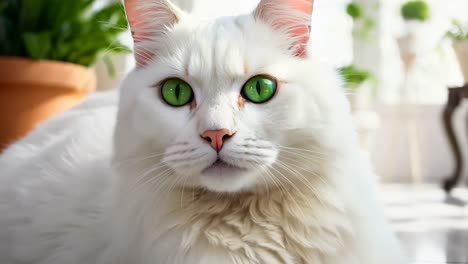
[258, 86]
[177, 90]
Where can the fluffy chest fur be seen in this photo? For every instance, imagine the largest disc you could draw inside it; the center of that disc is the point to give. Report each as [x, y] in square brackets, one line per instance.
[275, 227]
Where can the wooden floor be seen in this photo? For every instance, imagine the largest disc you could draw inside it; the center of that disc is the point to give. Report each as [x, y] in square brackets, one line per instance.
[432, 226]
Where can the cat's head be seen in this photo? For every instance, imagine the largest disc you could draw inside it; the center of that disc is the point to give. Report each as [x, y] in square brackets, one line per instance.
[225, 104]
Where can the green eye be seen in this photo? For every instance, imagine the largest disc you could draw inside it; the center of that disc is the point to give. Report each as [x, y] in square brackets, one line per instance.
[259, 89]
[176, 92]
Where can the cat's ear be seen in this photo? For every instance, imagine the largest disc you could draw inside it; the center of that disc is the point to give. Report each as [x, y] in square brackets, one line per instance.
[290, 16]
[148, 20]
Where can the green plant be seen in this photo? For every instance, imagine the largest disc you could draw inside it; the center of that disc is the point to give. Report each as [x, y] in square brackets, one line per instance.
[354, 10]
[363, 24]
[353, 77]
[416, 10]
[61, 30]
[458, 32]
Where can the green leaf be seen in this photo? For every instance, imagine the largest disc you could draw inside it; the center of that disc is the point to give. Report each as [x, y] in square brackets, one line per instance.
[117, 48]
[353, 76]
[10, 43]
[458, 32]
[4, 7]
[416, 10]
[109, 66]
[65, 11]
[111, 18]
[64, 30]
[354, 10]
[10, 9]
[38, 45]
[30, 14]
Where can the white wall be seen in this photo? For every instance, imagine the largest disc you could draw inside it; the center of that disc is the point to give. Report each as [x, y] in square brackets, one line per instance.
[391, 149]
[331, 39]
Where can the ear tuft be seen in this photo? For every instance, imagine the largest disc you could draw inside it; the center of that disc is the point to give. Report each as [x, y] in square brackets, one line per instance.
[149, 20]
[292, 17]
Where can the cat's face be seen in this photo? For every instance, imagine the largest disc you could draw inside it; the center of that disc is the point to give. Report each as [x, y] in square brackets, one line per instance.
[219, 103]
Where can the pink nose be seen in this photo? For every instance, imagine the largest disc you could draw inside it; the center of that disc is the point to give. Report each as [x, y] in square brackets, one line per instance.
[216, 138]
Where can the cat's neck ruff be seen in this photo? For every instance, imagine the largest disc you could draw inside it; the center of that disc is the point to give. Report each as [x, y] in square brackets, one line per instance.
[284, 225]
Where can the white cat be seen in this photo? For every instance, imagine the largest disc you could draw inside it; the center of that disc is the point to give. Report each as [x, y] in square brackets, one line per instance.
[230, 145]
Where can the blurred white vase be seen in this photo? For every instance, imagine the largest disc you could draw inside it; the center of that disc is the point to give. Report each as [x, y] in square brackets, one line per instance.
[407, 45]
[366, 120]
[362, 97]
[461, 49]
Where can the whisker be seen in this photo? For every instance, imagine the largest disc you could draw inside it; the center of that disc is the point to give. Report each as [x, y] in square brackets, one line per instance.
[147, 179]
[142, 176]
[314, 173]
[300, 149]
[303, 180]
[286, 190]
[183, 190]
[305, 156]
[135, 159]
[262, 167]
[294, 186]
[160, 182]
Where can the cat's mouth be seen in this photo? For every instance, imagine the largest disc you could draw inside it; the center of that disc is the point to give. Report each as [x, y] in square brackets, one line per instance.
[222, 168]
[222, 176]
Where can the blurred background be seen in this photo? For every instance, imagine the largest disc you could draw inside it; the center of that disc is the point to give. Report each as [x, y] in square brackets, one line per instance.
[401, 62]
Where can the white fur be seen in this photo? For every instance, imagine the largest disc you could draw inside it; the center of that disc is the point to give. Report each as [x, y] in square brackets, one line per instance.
[71, 192]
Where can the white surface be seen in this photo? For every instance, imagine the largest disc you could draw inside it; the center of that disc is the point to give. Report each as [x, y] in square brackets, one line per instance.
[432, 226]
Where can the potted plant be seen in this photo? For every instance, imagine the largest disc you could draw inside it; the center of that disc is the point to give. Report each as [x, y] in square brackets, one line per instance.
[363, 23]
[46, 50]
[355, 81]
[413, 12]
[364, 43]
[459, 36]
[360, 90]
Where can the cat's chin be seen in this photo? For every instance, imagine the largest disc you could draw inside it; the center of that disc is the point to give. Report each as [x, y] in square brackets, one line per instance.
[223, 177]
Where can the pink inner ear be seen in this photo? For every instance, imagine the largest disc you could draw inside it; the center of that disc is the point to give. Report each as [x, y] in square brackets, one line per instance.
[286, 14]
[301, 42]
[137, 26]
[306, 7]
[135, 20]
[148, 19]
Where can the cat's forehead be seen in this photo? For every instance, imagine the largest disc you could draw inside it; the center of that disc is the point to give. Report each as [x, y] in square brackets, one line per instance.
[216, 48]
[225, 48]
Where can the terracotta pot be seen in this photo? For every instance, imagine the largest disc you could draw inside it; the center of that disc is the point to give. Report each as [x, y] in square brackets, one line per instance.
[32, 91]
[461, 49]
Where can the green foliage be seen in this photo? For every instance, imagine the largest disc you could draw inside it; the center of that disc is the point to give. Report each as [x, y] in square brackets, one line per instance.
[459, 32]
[354, 10]
[353, 76]
[61, 30]
[416, 10]
[363, 23]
